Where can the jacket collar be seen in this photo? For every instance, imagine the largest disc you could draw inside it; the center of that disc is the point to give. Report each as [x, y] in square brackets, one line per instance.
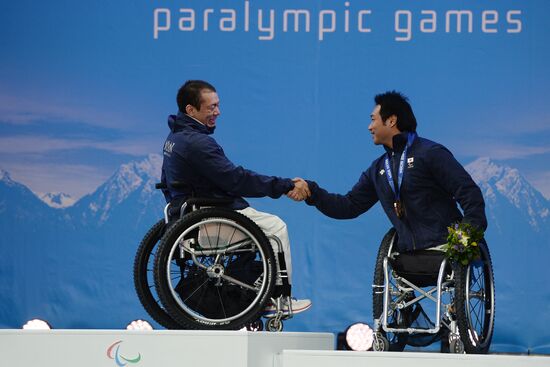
[399, 142]
[184, 121]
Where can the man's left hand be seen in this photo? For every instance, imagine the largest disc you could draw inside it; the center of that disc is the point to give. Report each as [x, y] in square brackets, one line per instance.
[300, 191]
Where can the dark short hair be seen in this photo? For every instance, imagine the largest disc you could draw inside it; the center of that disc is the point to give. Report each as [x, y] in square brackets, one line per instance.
[395, 103]
[190, 93]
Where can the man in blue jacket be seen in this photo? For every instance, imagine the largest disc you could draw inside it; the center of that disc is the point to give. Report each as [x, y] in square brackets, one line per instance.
[417, 181]
[193, 157]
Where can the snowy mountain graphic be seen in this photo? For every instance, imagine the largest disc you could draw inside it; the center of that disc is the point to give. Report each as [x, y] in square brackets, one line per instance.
[57, 199]
[501, 184]
[18, 203]
[130, 191]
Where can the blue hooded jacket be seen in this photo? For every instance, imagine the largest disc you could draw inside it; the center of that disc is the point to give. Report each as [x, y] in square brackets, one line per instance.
[433, 183]
[194, 158]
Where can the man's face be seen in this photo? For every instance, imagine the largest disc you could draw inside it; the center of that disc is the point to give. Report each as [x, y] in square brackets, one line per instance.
[382, 132]
[209, 111]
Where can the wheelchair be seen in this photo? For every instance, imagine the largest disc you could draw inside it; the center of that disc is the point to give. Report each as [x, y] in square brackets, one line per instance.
[144, 278]
[462, 300]
[205, 266]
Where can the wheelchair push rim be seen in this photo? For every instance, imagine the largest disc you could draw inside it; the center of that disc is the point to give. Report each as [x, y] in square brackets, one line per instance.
[476, 303]
[208, 283]
[214, 269]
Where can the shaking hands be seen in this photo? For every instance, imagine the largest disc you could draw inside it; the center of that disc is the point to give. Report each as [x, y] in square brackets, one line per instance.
[300, 191]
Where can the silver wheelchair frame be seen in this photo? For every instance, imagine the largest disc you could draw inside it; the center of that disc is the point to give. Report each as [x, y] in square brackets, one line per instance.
[442, 286]
[397, 289]
[275, 320]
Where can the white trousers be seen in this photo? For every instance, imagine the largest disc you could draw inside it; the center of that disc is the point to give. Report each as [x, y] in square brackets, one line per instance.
[272, 225]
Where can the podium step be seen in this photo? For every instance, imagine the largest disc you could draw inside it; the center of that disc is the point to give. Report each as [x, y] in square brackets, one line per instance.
[316, 358]
[119, 348]
[98, 348]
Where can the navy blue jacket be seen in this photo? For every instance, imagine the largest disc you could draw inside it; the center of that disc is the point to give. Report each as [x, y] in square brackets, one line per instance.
[433, 183]
[193, 157]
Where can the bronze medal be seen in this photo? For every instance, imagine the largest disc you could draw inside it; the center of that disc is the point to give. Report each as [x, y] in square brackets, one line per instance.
[398, 209]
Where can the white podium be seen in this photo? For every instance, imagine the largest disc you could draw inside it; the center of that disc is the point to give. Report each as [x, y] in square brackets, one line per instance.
[112, 348]
[122, 348]
[316, 358]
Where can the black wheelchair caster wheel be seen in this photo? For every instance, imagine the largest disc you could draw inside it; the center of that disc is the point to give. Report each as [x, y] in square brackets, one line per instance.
[380, 343]
[456, 346]
[257, 325]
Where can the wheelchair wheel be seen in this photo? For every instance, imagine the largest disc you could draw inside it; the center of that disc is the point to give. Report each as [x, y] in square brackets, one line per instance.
[395, 341]
[475, 303]
[274, 325]
[380, 343]
[456, 346]
[215, 269]
[144, 280]
[257, 325]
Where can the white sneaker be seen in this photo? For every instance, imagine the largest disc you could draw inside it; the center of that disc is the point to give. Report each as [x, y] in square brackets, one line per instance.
[297, 306]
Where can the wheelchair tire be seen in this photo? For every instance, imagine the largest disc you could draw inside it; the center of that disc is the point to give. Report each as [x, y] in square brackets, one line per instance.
[475, 303]
[396, 341]
[144, 279]
[223, 287]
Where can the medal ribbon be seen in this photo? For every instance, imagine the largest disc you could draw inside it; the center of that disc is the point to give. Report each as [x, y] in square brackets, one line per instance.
[401, 171]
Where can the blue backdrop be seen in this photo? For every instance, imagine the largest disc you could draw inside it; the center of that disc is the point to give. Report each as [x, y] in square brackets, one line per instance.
[85, 89]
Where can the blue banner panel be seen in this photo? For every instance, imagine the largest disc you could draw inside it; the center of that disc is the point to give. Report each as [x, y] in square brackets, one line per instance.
[86, 89]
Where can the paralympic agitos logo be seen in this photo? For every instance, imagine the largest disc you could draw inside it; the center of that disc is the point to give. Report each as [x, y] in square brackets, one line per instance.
[114, 353]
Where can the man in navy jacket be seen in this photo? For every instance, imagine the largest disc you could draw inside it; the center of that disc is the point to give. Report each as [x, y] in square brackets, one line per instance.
[193, 157]
[417, 181]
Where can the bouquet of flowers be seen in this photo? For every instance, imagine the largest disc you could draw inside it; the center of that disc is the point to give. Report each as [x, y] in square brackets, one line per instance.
[462, 243]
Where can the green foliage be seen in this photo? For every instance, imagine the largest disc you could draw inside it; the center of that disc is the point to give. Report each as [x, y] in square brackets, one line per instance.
[463, 243]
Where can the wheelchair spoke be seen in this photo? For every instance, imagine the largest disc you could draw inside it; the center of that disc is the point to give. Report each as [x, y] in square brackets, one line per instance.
[231, 238]
[474, 303]
[477, 276]
[218, 236]
[221, 302]
[473, 275]
[477, 315]
[175, 274]
[195, 291]
[205, 227]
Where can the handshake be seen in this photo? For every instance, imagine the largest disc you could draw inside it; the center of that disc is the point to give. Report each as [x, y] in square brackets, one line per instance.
[300, 191]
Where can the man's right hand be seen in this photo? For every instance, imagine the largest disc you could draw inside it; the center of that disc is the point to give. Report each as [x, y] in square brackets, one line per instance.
[300, 191]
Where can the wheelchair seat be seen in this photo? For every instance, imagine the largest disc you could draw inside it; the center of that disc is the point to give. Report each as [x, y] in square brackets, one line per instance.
[421, 267]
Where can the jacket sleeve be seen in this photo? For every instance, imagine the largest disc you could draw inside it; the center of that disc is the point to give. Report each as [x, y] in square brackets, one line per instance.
[454, 179]
[357, 201]
[210, 161]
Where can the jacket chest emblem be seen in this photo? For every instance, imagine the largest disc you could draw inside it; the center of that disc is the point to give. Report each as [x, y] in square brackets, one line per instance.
[168, 146]
[382, 171]
[410, 162]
